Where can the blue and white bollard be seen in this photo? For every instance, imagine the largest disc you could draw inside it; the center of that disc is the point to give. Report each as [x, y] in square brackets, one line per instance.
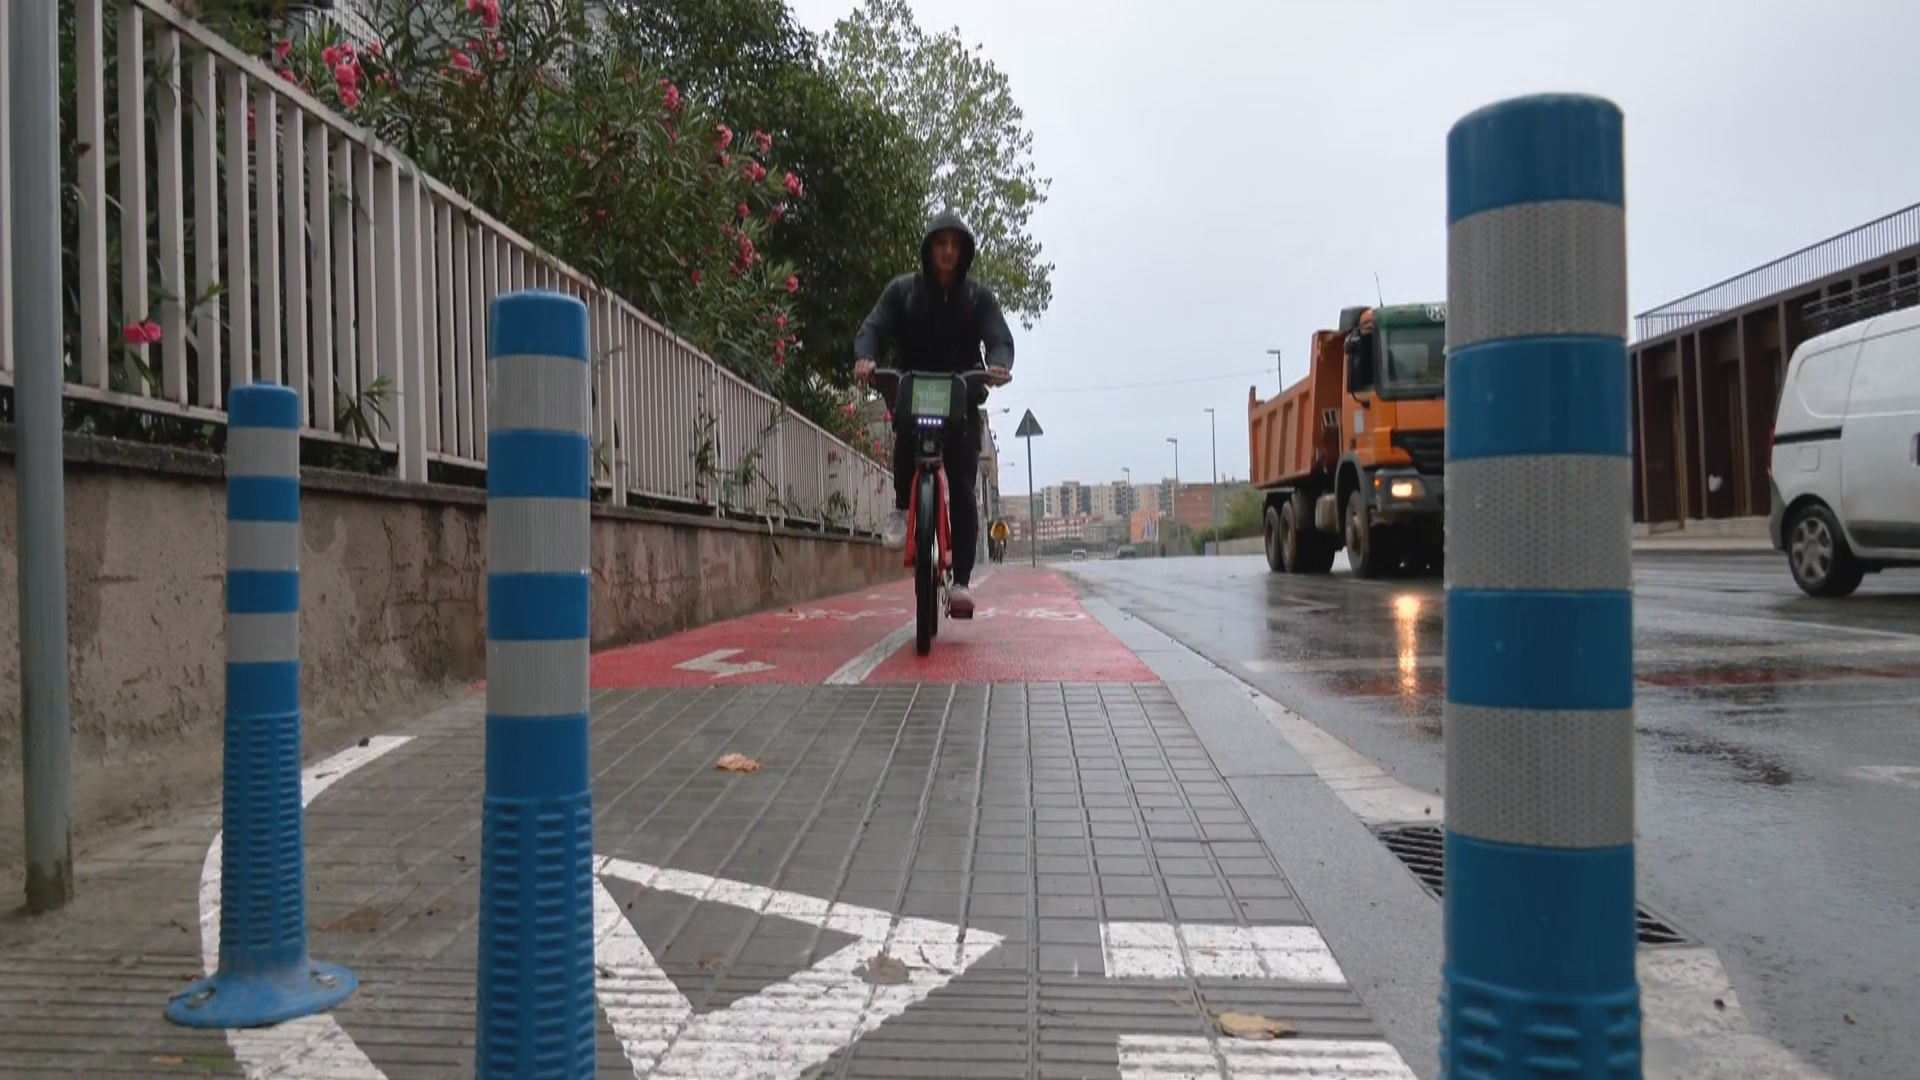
[536, 998]
[265, 975]
[1539, 978]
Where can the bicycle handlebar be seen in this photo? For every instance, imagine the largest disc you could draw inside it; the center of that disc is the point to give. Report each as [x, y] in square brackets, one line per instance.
[964, 375]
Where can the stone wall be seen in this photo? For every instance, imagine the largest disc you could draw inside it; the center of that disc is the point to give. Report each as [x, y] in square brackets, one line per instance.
[392, 594]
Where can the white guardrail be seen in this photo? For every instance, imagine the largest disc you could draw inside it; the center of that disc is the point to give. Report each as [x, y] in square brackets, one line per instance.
[369, 279]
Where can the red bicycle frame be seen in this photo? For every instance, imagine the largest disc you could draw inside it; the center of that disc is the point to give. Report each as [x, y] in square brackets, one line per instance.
[942, 527]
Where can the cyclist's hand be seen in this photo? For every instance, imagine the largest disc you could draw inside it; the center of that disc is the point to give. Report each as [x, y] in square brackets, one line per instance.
[863, 369]
[999, 376]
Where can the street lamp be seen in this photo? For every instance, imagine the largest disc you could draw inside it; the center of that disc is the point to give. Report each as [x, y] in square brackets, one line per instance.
[1174, 511]
[1213, 434]
[1279, 367]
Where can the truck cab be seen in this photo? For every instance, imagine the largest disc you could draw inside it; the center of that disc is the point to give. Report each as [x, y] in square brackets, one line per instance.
[1394, 432]
[1353, 456]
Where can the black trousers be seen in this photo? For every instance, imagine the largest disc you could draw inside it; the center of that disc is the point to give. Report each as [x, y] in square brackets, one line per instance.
[962, 455]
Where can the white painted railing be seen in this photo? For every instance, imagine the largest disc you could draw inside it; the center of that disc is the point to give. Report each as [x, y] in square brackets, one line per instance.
[369, 284]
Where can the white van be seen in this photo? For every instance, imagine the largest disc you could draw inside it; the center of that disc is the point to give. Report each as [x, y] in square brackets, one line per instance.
[1846, 455]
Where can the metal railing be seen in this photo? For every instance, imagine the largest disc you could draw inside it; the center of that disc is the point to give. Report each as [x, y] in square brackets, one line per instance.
[269, 238]
[1875, 240]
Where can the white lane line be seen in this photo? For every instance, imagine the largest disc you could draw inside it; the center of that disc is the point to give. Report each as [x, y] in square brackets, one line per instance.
[855, 671]
[1194, 1057]
[312, 1047]
[1132, 950]
[791, 1026]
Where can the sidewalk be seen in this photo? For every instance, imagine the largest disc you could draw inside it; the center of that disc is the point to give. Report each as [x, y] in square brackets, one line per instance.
[976, 878]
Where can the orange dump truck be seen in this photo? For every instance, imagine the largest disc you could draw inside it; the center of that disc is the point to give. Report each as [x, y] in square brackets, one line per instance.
[1354, 455]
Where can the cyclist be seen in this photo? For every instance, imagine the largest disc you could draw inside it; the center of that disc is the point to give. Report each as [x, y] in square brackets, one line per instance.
[941, 321]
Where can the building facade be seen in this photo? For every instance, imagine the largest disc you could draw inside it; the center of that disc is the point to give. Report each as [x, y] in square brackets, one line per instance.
[1707, 369]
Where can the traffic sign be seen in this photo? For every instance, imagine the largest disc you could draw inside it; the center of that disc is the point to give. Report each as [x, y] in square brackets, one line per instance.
[1029, 427]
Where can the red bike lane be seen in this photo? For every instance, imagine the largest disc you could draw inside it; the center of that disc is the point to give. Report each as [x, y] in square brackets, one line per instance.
[1028, 626]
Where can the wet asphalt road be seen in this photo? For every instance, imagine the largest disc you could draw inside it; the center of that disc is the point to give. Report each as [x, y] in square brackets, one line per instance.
[1778, 768]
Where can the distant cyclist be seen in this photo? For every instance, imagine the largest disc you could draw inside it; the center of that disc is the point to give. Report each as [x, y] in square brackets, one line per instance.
[941, 321]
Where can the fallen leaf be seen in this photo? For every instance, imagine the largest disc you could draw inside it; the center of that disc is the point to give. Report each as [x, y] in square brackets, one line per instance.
[883, 970]
[708, 960]
[1848, 1017]
[358, 921]
[1254, 1026]
[738, 763]
[366, 741]
[1719, 1003]
[169, 1059]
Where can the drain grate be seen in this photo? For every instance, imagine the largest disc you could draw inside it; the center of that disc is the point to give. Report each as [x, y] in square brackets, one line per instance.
[1420, 848]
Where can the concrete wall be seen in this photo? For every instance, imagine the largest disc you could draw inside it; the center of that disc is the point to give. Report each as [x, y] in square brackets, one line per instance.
[393, 616]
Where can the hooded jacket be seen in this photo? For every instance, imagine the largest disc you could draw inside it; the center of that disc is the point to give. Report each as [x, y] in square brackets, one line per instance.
[939, 329]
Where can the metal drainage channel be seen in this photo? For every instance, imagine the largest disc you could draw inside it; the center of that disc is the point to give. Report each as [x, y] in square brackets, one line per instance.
[1419, 847]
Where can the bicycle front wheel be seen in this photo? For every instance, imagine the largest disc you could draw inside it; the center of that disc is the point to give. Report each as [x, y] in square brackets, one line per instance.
[926, 566]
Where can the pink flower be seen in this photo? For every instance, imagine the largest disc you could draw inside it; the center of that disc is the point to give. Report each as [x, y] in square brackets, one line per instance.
[487, 11]
[847, 408]
[793, 185]
[723, 159]
[696, 276]
[777, 212]
[347, 76]
[330, 55]
[722, 137]
[461, 61]
[742, 210]
[373, 49]
[349, 97]
[141, 333]
[282, 50]
[762, 141]
[670, 96]
[287, 75]
[793, 283]
[780, 321]
[499, 50]
[755, 172]
[249, 121]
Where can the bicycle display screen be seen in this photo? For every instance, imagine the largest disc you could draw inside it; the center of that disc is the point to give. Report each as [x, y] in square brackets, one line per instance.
[932, 398]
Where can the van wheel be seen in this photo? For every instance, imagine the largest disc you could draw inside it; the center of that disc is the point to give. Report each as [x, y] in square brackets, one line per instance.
[1818, 555]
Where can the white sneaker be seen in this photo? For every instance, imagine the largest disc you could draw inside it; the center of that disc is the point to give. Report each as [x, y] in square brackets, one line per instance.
[893, 531]
[960, 602]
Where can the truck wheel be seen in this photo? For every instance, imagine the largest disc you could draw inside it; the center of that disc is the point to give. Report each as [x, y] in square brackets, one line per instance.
[1290, 539]
[1275, 559]
[1370, 550]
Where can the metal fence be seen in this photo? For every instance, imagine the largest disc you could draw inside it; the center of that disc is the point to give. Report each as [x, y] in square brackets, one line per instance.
[270, 238]
[1873, 241]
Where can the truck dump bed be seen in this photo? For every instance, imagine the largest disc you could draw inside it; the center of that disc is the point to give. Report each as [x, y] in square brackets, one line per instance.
[1297, 431]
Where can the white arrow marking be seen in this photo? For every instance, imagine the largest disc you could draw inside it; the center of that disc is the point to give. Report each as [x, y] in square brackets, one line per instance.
[313, 1047]
[717, 664]
[789, 1027]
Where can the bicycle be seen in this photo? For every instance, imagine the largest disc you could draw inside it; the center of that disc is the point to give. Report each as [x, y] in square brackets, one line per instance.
[930, 402]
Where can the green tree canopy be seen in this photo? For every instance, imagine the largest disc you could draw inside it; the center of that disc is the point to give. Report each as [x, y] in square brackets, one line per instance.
[978, 152]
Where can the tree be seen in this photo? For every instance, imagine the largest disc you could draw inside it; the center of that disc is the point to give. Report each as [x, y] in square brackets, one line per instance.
[866, 190]
[976, 146]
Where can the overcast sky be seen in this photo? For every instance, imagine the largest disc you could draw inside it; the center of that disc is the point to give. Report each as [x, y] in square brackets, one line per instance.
[1228, 174]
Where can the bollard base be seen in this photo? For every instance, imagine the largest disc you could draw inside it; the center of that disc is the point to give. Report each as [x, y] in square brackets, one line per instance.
[233, 1001]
